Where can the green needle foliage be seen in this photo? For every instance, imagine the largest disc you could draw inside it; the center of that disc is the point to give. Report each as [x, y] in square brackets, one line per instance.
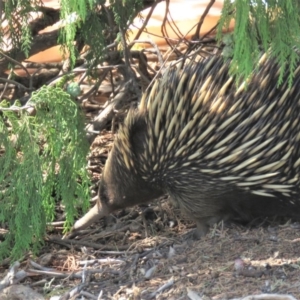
[263, 25]
[96, 25]
[17, 14]
[42, 162]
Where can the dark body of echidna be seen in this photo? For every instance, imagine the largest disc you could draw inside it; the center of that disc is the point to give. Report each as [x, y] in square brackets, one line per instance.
[219, 151]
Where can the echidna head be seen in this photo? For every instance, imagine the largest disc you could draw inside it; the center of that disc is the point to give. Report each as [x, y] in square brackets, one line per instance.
[122, 184]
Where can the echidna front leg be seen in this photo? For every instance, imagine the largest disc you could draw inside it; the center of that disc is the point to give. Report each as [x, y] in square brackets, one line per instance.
[203, 225]
[201, 230]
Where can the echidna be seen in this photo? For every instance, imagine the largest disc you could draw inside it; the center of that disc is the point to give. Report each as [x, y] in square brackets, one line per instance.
[219, 151]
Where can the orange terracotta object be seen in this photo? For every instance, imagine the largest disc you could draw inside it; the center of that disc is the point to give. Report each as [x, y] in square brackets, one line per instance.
[185, 13]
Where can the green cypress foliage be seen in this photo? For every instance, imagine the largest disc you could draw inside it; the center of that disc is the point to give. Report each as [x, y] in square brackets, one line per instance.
[17, 15]
[96, 26]
[42, 161]
[260, 25]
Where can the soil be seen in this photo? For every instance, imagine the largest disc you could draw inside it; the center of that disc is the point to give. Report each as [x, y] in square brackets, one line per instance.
[147, 252]
[141, 250]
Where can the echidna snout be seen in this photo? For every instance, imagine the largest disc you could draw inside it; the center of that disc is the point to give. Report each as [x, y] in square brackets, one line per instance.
[218, 150]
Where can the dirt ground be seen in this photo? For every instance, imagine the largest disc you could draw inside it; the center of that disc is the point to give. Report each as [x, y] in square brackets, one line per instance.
[148, 253]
